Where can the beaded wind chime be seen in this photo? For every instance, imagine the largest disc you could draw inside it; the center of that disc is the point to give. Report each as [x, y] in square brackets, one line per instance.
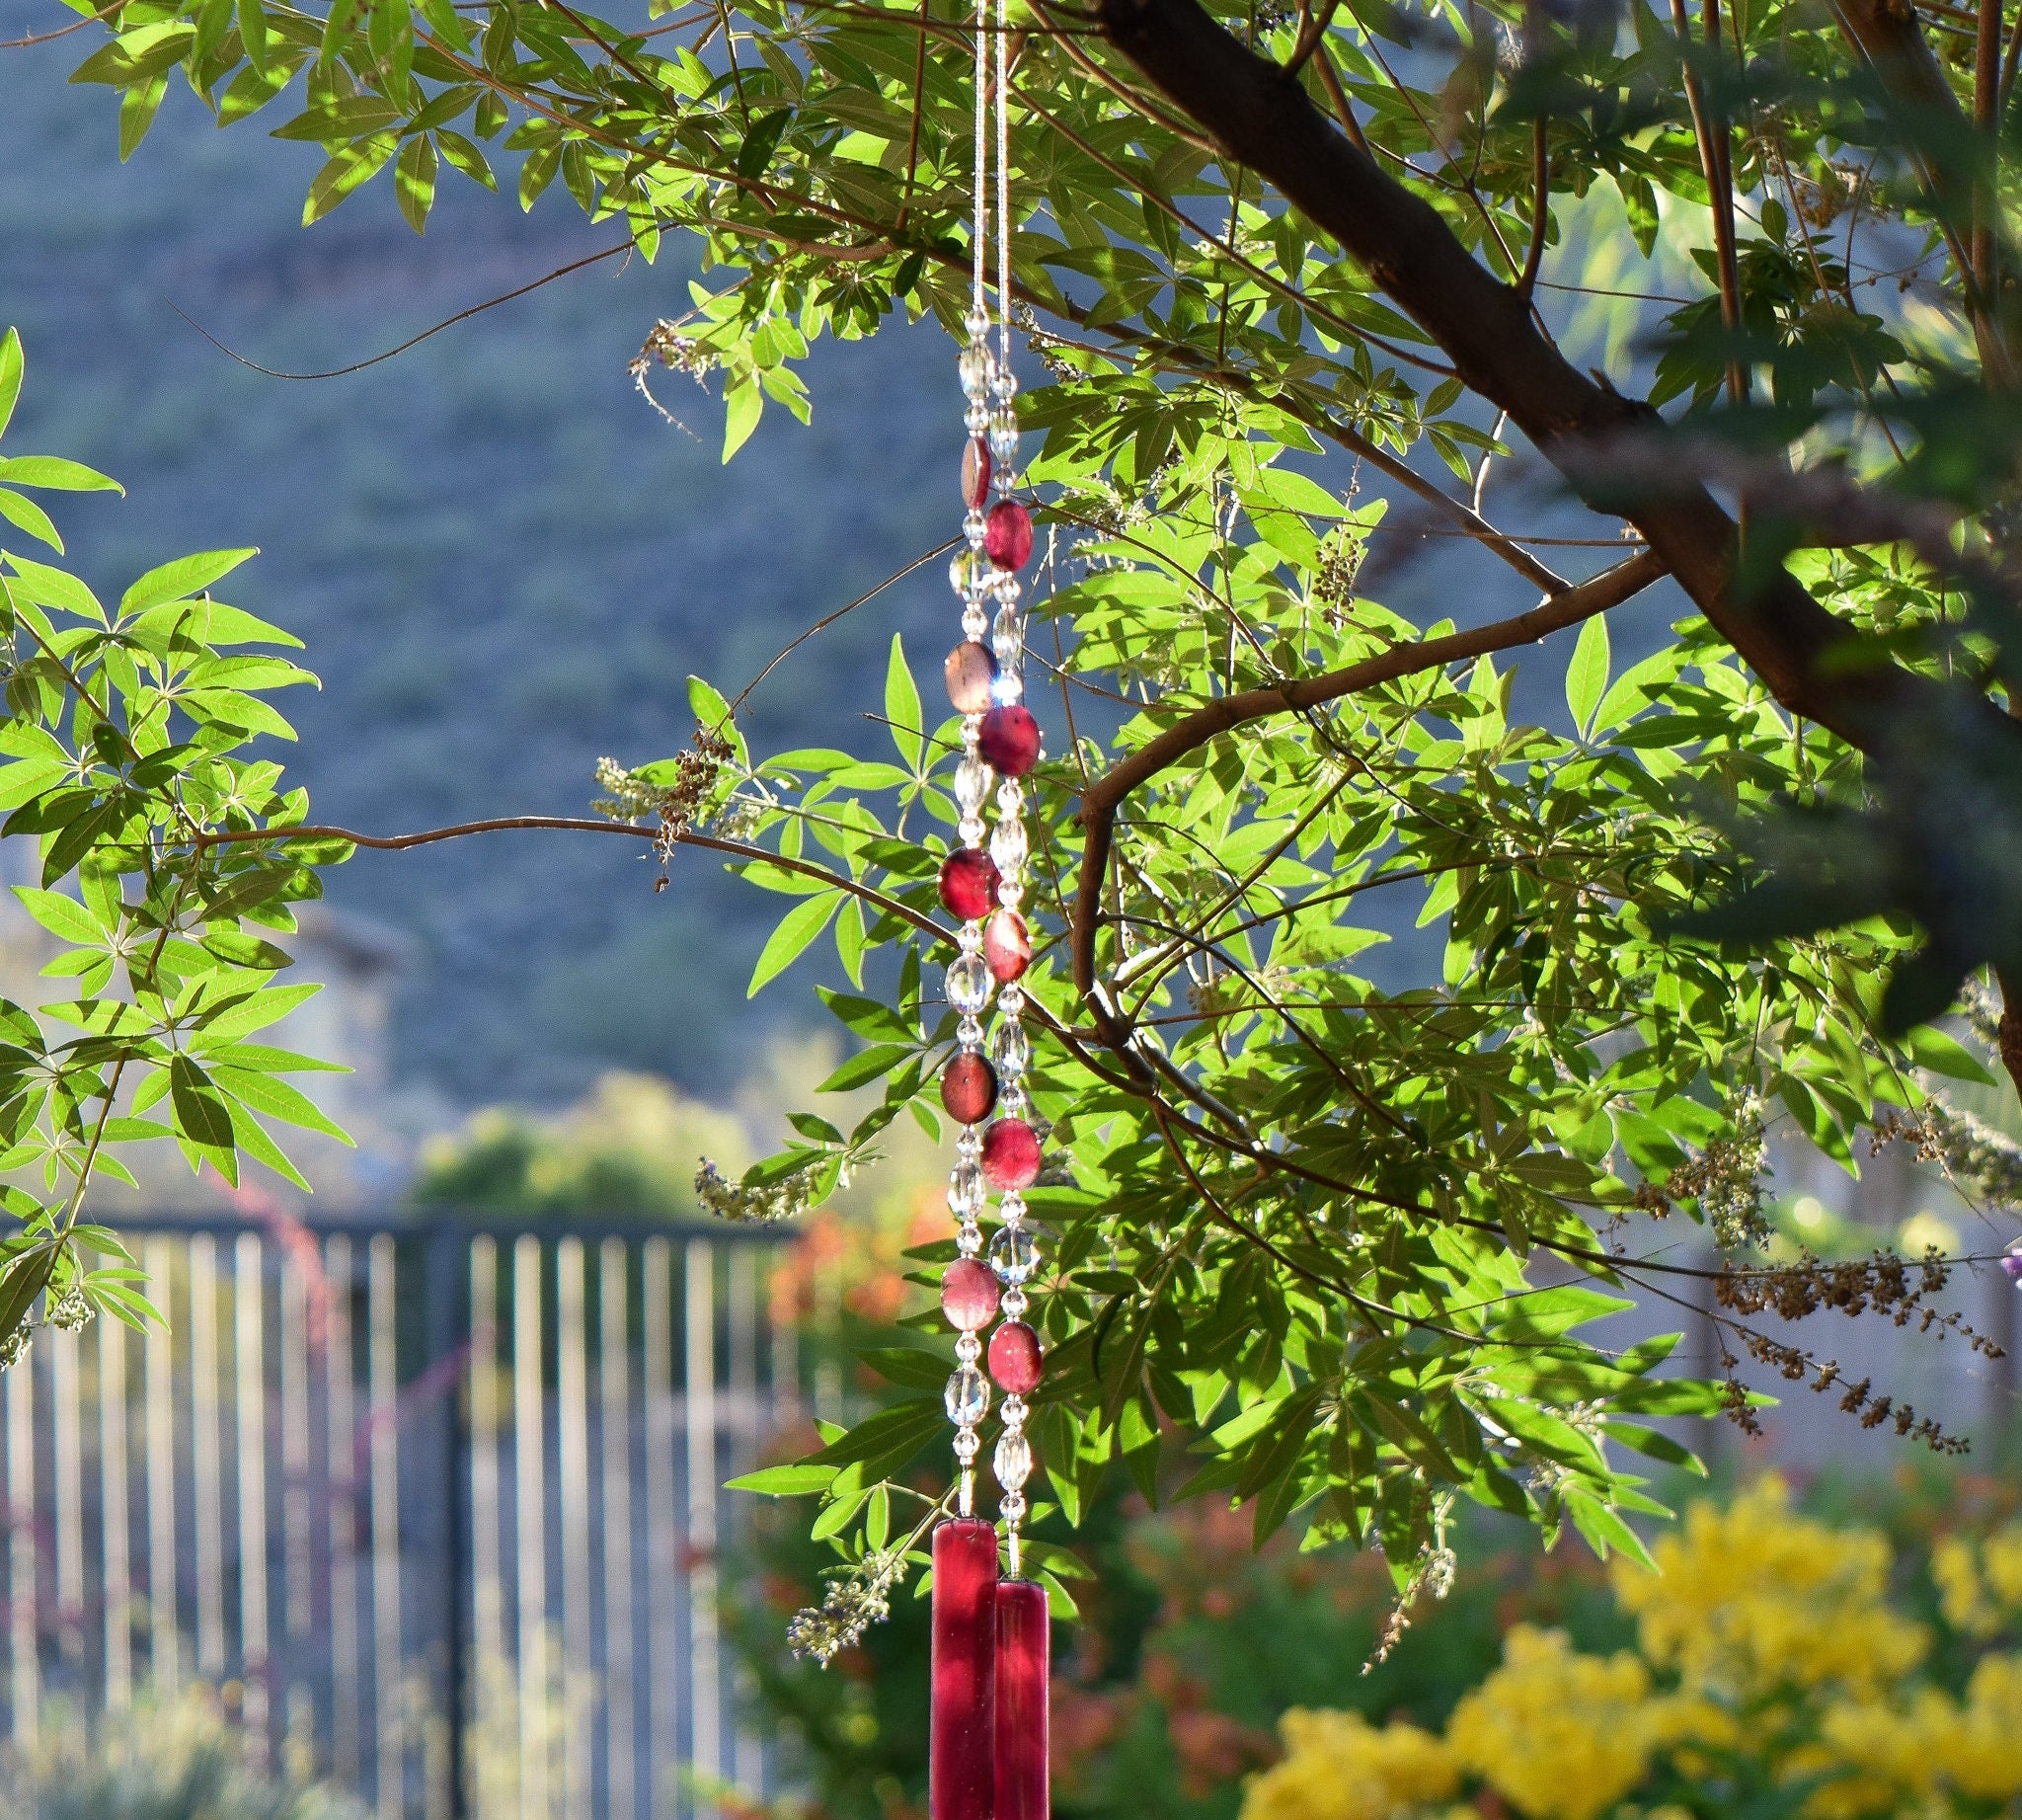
[987, 1755]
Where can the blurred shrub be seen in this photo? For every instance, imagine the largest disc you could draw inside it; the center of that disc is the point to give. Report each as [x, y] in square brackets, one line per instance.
[177, 1760]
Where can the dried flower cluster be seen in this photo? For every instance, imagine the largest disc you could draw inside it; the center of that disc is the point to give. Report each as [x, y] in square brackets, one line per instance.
[857, 1598]
[744, 1204]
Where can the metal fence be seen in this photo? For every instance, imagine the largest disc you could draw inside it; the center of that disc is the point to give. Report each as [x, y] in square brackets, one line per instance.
[435, 1504]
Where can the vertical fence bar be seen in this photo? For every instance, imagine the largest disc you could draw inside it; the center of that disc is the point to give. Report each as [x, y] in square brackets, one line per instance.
[741, 1299]
[487, 1602]
[613, 1378]
[297, 1556]
[342, 1440]
[115, 1532]
[208, 1512]
[164, 1632]
[249, 1402]
[571, 1388]
[389, 1765]
[663, 1567]
[705, 1696]
[68, 1458]
[25, 1668]
[529, 1519]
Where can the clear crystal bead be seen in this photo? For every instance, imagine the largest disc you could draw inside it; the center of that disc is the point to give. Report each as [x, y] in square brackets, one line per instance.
[1014, 1256]
[1012, 1506]
[1014, 1306]
[967, 1397]
[1012, 1462]
[968, 983]
[966, 1190]
[972, 784]
[1010, 1049]
[969, 1349]
[1008, 845]
[967, 1444]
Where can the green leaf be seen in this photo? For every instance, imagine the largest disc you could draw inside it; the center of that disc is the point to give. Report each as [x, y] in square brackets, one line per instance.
[902, 706]
[413, 181]
[796, 929]
[12, 362]
[1586, 674]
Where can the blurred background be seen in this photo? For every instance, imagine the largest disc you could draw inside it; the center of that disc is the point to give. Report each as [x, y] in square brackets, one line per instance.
[415, 1509]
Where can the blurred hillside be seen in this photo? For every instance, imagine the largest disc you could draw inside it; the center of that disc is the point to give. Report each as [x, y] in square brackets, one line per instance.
[503, 563]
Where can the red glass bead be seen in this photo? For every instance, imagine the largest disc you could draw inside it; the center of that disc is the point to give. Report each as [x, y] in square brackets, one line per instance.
[969, 1088]
[1007, 534]
[969, 883]
[1009, 740]
[1022, 1671]
[1007, 945]
[976, 472]
[970, 1294]
[1015, 1358]
[1010, 1155]
[970, 670]
[961, 1728]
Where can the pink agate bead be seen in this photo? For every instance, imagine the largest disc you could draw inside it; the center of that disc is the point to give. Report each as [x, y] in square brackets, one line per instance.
[1007, 946]
[970, 670]
[1015, 1358]
[969, 883]
[1007, 534]
[976, 472]
[969, 1088]
[1011, 1154]
[969, 1295]
[1009, 740]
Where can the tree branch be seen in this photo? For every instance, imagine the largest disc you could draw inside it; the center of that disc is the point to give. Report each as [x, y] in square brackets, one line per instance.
[1815, 665]
[1100, 802]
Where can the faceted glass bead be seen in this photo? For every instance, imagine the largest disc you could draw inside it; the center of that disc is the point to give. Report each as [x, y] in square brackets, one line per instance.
[1011, 1048]
[968, 1397]
[969, 1088]
[971, 783]
[1014, 1256]
[1011, 1154]
[1007, 945]
[966, 1191]
[968, 1295]
[1012, 1462]
[1009, 740]
[969, 883]
[976, 472]
[969, 670]
[1007, 534]
[968, 983]
[1015, 1358]
[1008, 849]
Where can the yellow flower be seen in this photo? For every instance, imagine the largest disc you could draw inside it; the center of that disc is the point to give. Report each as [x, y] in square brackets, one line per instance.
[1337, 1766]
[1750, 1599]
[1560, 1735]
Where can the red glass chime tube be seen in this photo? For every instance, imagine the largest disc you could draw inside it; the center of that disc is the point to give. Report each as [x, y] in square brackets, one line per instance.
[1023, 1650]
[960, 1758]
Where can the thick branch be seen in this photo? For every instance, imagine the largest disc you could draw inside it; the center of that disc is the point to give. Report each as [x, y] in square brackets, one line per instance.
[1813, 663]
[1102, 799]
